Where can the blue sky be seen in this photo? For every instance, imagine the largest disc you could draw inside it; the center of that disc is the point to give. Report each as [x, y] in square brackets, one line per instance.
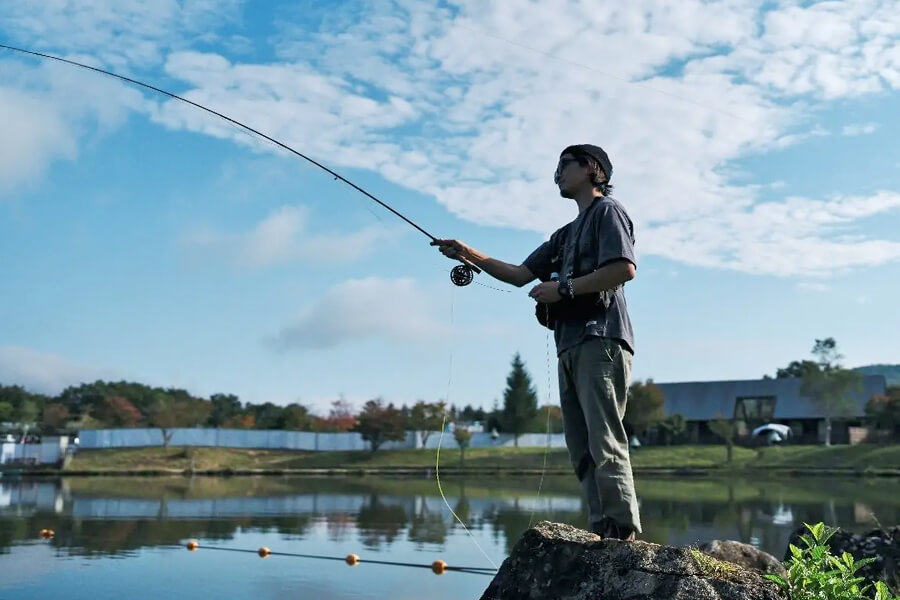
[752, 143]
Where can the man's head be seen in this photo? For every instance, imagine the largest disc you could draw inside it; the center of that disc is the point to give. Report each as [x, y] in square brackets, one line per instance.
[580, 166]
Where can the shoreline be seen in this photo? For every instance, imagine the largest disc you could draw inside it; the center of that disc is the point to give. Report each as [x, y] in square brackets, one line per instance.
[861, 461]
[429, 472]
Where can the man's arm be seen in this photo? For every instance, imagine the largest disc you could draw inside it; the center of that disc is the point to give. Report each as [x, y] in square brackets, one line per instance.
[517, 275]
[607, 277]
[615, 253]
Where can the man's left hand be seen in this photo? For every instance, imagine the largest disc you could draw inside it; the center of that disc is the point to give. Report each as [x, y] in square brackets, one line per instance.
[546, 292]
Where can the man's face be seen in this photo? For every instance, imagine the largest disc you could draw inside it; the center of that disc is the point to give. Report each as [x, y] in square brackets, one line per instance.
[569, 175]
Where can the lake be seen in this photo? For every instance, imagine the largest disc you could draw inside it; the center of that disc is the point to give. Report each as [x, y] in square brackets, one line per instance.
[121, 537]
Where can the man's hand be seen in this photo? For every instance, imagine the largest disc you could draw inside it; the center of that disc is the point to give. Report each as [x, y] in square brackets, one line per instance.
[454, 249]
[546, 292]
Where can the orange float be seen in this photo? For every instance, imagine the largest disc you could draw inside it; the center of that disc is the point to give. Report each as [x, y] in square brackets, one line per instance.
[439, 567]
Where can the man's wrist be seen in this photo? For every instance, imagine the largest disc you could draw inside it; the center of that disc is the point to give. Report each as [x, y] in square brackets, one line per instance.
[566, 288]
[478, 258]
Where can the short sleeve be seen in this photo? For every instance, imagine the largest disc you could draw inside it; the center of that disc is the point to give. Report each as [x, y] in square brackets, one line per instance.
[615, 236]
[540, 262]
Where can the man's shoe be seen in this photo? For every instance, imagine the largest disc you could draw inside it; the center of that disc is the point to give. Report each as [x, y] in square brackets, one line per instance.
[609, 529]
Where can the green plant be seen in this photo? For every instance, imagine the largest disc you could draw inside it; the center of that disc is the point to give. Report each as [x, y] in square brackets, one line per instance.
[814, 573]
[712, 567]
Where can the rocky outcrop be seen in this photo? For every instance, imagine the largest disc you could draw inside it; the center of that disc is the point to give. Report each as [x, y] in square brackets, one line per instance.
[881, 544]
[560, 562]
[744, 555]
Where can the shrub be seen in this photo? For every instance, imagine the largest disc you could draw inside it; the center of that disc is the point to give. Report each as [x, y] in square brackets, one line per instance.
[814, 574]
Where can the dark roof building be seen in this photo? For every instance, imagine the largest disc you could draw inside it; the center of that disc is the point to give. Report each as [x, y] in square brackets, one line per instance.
[705, 400]
[753, 402]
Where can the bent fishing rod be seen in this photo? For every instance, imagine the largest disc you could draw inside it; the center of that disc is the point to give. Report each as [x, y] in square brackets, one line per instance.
[460, 275]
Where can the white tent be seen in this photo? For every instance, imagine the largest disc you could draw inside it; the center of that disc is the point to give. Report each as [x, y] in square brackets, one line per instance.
[782, 430]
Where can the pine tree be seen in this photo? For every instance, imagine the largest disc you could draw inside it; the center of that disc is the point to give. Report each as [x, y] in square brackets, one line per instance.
[519, 400]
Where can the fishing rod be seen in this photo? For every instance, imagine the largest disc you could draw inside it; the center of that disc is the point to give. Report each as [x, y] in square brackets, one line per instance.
[460, 275]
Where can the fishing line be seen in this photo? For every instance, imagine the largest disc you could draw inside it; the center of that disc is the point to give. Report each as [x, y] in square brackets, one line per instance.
[437, 464]
[461, 275]
[549, 401]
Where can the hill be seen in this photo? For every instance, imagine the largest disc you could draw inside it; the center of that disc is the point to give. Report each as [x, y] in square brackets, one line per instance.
[890, 372]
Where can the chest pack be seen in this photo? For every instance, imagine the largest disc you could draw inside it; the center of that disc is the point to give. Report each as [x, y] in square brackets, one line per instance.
[582, 306]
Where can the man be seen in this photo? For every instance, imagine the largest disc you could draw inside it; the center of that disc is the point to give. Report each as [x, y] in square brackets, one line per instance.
[583, 268]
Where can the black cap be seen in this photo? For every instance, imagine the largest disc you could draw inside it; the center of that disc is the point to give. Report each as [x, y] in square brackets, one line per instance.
[595, 152]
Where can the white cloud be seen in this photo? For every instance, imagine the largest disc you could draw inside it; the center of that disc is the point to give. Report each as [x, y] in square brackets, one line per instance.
[34, 134]
[471, 102]
[285, 236]
[813, 286]
[44, 372]
[119, 33]
[361, 309]
[799, 236]
[486, 104]
[49, 109]
[859, 128]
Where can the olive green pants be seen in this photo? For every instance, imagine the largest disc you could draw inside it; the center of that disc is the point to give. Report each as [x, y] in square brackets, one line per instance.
[593, 384]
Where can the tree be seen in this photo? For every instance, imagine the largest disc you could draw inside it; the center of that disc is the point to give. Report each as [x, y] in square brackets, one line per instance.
[644, 408]
[427, 417]
[26, 407]
[493, 419]
[6, 411]
[14, 395]
[224, 407]
[340, 418]
[240, 422]
[55, 415]
[470, 414]
[725, 429]
[296, 417]
[463, 437]
[883, 410]
[551, 412]
[85, 398]
[379, 424]
[673, 426]
[28, 411]
[830, 386]
[115, 411]
[267, 415]
[797, 368]
[519, 400]
[169, 412]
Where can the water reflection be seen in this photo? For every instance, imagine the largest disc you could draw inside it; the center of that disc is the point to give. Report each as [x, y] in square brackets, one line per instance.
[117, 516]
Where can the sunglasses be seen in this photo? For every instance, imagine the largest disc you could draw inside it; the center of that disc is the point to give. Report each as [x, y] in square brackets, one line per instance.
[563, 163]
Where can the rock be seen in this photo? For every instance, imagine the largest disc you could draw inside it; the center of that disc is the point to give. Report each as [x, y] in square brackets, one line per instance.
[744, 555]
[560, 562]
[881, 544]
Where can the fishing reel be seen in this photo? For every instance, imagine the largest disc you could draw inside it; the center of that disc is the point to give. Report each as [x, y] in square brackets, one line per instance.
[462, 275]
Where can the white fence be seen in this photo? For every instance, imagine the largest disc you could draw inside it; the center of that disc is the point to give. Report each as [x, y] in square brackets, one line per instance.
[49, 451]
[294, 440]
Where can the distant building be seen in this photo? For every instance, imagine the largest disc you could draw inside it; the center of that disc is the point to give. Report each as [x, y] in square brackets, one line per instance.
[755, 402]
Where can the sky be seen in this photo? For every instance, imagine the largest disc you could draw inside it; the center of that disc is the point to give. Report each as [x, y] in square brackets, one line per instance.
[753, 145]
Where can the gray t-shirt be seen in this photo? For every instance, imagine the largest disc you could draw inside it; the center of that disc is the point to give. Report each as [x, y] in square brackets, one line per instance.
[600, 235]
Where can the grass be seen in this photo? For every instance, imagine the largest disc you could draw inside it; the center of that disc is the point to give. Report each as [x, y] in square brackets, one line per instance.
[711, 567]
[859, 459]
[689, 490]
